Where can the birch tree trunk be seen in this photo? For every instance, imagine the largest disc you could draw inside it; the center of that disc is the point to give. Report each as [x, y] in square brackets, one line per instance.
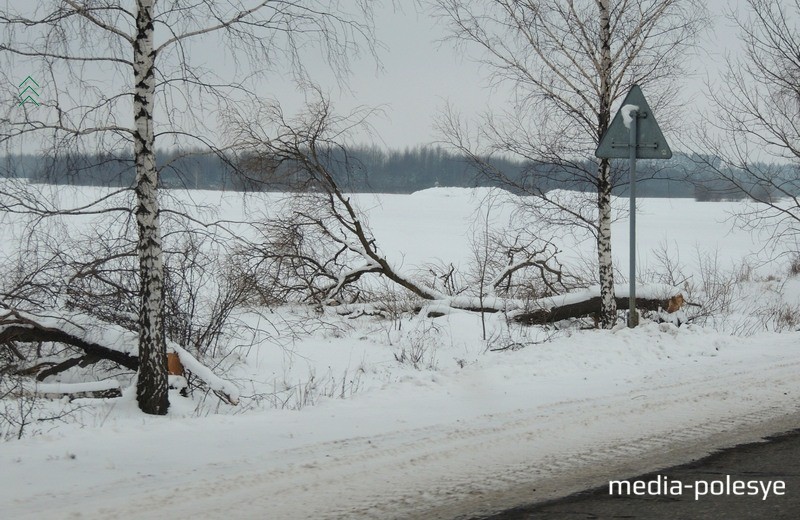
[152, 383]
[608, 305]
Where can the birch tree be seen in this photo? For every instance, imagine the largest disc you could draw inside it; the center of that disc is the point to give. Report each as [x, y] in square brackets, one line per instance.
[567, 63]
[754, 131]
[101, 62]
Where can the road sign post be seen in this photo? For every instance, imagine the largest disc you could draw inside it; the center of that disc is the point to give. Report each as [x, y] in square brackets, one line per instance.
[633, 316]
[633, 134]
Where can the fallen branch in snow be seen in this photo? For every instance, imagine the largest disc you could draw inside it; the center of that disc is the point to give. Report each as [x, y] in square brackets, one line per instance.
[82, 361]
[98, 340]
[27, 328]
[325, 246]
[106, 388]
[223, 389]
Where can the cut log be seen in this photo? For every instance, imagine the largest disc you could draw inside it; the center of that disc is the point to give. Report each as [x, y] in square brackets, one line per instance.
[587, 303]
[583, 308]
[538, 312]
[174, 365]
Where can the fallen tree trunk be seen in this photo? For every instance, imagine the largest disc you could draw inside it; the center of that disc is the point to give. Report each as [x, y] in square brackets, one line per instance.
[538, 312]
[99, 340]
[586, 307]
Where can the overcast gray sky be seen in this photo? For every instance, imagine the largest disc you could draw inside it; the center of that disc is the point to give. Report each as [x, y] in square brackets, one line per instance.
[420, 75]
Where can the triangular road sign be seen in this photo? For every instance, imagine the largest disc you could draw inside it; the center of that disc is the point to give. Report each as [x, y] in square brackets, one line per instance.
[651, 143]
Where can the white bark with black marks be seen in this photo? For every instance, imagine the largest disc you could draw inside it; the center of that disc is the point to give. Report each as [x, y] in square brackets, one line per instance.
[608, 306]
[152, 384]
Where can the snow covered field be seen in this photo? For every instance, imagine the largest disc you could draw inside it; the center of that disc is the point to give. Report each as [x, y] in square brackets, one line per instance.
[332, 425]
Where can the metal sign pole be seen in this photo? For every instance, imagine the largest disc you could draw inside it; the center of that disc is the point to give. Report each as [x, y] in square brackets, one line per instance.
[633, 316]
[633, 124]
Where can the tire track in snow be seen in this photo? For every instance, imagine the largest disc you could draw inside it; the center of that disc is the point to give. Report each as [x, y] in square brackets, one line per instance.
[480, 464]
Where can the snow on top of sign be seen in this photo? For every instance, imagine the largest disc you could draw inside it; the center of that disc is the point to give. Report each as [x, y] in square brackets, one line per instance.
[627, 114]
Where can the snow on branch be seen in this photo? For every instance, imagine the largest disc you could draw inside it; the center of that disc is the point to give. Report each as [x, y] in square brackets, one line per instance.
[79, 330]
[99, 339]
[107, 385]
[225, 390]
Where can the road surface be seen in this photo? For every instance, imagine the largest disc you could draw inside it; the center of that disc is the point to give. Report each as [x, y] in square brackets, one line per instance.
[688, 491]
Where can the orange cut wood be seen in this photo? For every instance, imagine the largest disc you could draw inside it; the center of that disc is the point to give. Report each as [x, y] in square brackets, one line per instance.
[174, 365]
[675, 303]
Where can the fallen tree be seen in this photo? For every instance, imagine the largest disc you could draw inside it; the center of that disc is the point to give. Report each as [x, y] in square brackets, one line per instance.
[321, 250]
[664, 298]
[98, 340]
[588, 307]
[322, 246]
[587, 303]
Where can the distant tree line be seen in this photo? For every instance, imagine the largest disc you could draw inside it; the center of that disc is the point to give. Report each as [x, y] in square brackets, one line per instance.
[372, 169]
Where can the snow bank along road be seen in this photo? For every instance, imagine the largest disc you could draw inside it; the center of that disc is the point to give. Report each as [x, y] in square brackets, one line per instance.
[437, 446]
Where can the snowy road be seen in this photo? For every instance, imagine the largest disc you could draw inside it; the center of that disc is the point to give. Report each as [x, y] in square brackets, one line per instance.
[766, 465]
[441, 450]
